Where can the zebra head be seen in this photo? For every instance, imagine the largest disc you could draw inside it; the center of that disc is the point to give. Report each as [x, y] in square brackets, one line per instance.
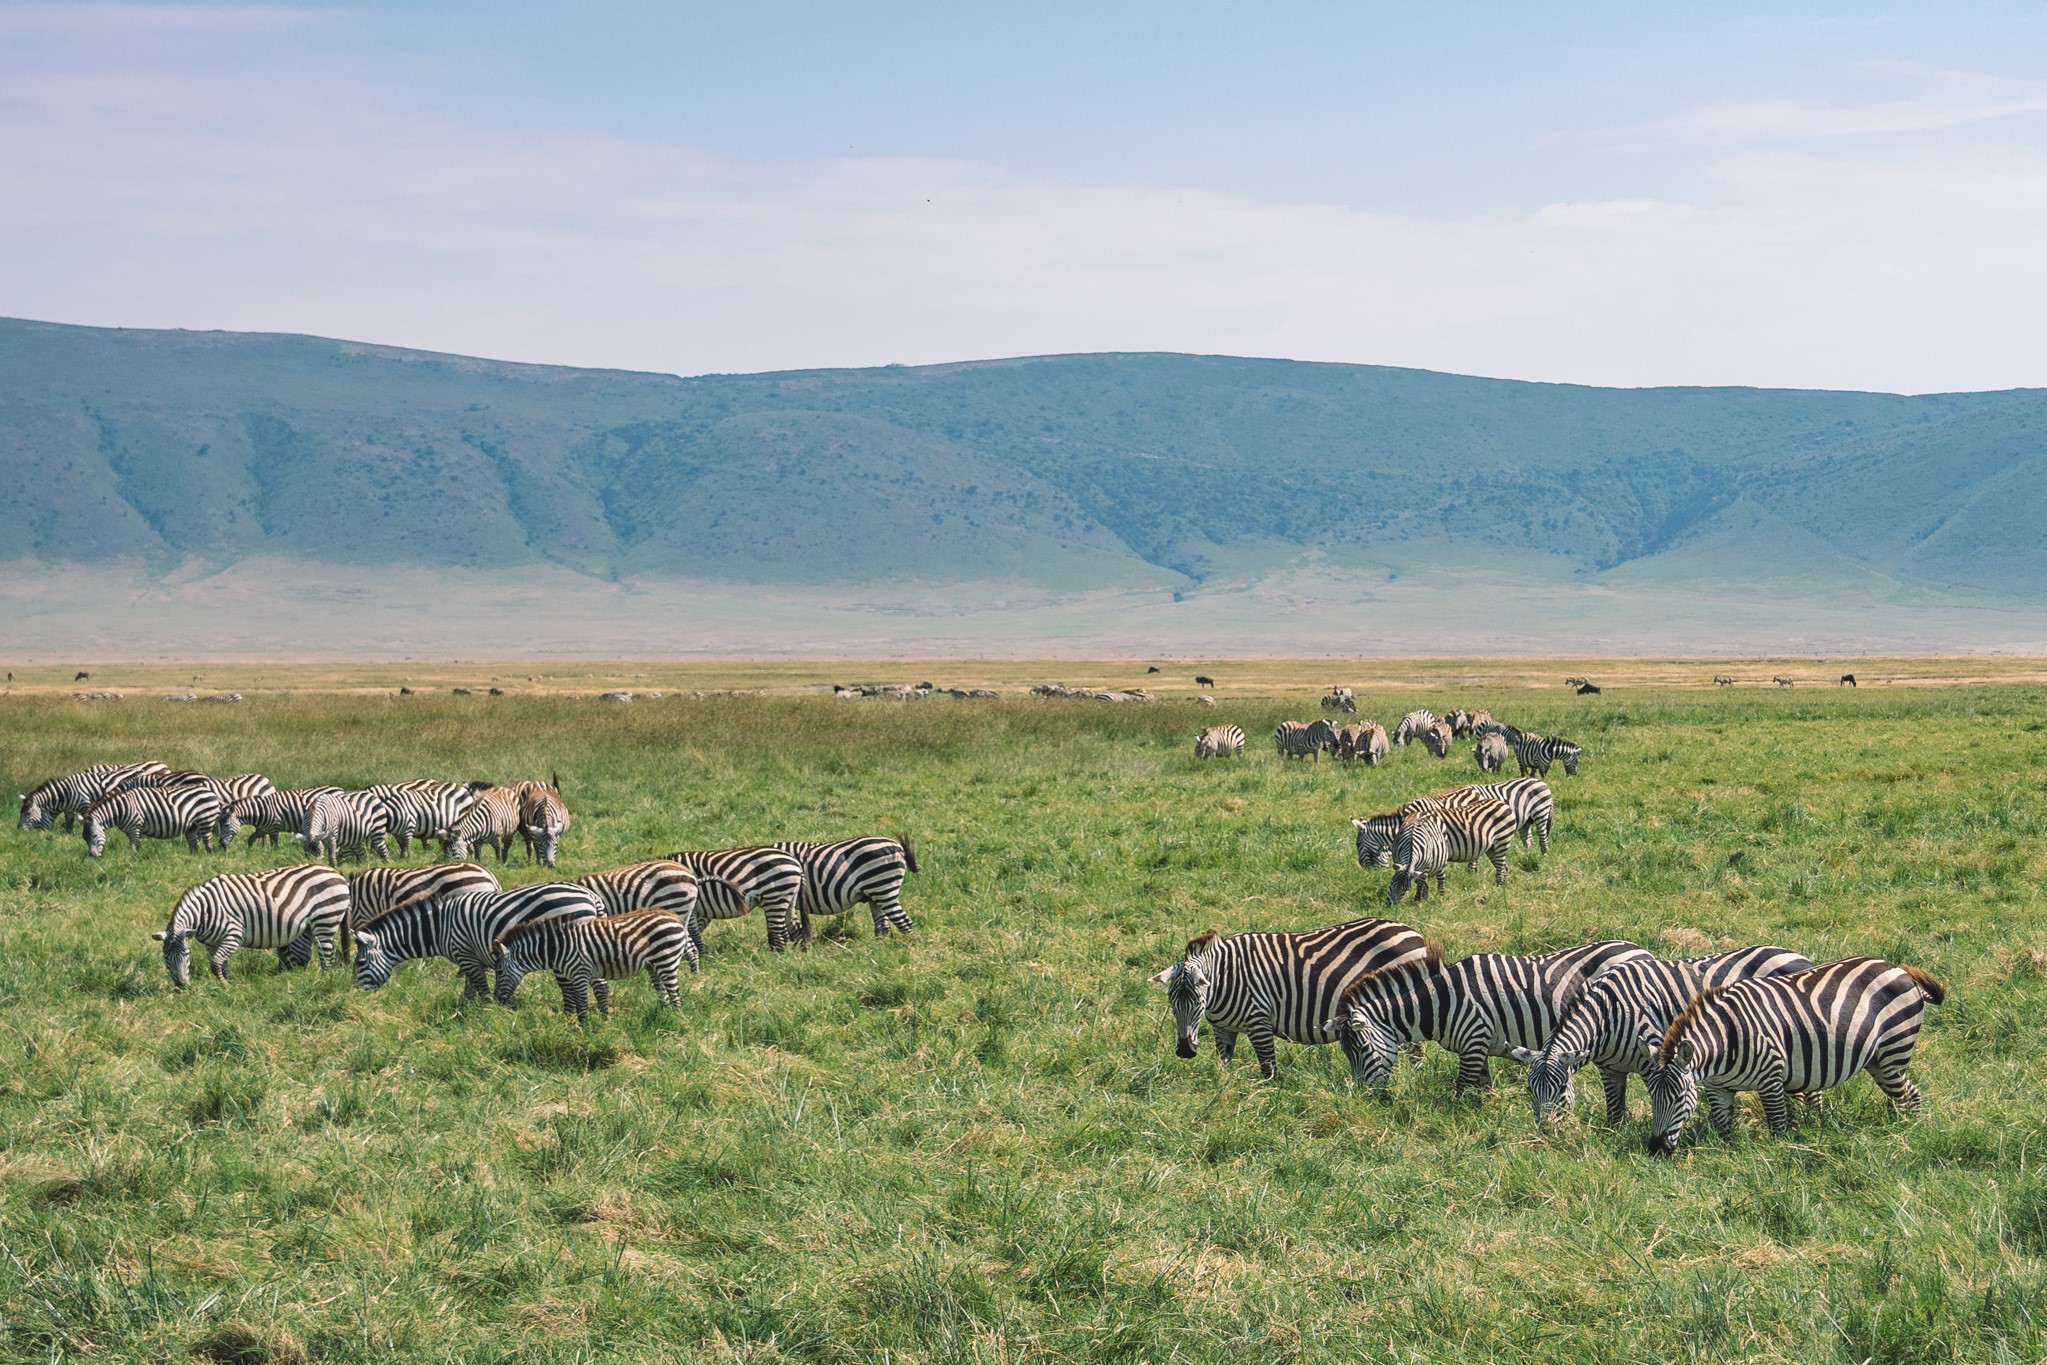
[1376, 838]
[34, 814]
[510, 969]
[177, 955]
[372, 963]
[1569, 754]
[1673, 1089]
[1369, 1044]
[95, 834]
[1552, 1091]
[454, 846]
[1189, 983]
[230, 826]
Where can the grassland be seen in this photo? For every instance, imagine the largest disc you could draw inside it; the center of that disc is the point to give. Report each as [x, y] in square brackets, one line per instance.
[976, 1144]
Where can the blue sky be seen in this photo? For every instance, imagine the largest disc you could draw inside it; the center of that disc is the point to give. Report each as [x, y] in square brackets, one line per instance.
[1624, 194]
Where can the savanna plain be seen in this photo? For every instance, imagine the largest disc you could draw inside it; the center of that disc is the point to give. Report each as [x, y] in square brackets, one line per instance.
[975, 1143]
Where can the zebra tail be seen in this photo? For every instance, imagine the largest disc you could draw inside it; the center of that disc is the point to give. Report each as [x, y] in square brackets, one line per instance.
[1935, 992]
[909, 854]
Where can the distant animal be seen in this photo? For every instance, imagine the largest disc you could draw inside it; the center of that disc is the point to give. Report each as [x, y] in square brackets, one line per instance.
[1340, 699]
[1276, 985]
[462, 928]
[1480, 1007]
[1413, 726]
[732, 881]
[1220, 741]
[461, 692]
[71, 794]
[296, 910]
[82, 677]
[838, 876]
[1438, 738]
[1294, 739]
[1722, 680]
[1784, 680]
[1847, 680]
[1153, 669]
[1614, 1022]
[1492, 753]
[1794, 1034]
[404, 691]
[1204, 700]
[1535, 754]
[497, 691]
[1200, 681]
[190, 812]
[1587, 690]
[587, 954]
[1476, 825]
[1576, 682]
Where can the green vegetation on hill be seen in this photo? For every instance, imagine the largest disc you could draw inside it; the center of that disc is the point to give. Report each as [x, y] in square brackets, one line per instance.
[1064, 471]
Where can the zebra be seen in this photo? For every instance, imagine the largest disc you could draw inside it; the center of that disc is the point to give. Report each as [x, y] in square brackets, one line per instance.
[1373, 748]
[295, 910]
[492, 818]
[1722, 680]
[1276, 985]
[1340, 699]
[586, 954]
[1492, 753]
[425, 807]
[1294, 739]
[1535, 754]
[1346, 741]
[656, 884]
[376, 890]
[1795, 1034]
[232, 791]
[1784, 680]
[838, 876]
[1412, 726]
[1530, 798]
[1421, 850]
[275, 812]
[463, 928]
[342, 823]
[70, 794]
[543, 818]
[732, 881]
[158, 812]
[1605, 1025]
[1220, 741]
[1486, 1005]
[1438, 738]
[1477, 824]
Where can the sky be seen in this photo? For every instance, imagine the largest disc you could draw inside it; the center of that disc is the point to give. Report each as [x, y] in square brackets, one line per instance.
[1628, 194]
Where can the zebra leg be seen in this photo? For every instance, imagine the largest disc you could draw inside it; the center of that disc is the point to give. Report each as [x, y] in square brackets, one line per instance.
[1261, 1043]
[475, 978]
[602, 988]
[1542, 833]
[574, 998]
[1499, 857]
[1776, 1106]
[134, 834]
[1897, 1085]
[1615, 1084]
[1721, 1104]
[296, 953]
[663, 977]
[380, 848]
[219, 954]
[1472, 1071]
[1225, 1044]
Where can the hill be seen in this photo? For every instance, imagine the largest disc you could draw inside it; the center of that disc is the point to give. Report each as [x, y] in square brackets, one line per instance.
[1096, 491]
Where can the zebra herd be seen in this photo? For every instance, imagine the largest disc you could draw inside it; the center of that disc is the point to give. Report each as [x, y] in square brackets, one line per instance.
[1762, 1018]
[1367, 741]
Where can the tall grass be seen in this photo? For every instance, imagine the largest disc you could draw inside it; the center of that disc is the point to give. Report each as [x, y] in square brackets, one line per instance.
[976, 1144]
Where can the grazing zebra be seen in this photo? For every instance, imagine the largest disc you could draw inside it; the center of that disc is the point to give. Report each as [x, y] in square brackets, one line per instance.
[1421, 850]
[543, 817]
[1204, 700]
[340, 824]
[838, 876]
[1477, 824]
[1535, 754]
[157, 812]
[424, 807]
[232, 791]
[1722, 680]
[1438, 738]
[587, 954]
[1492, 753]
[732, 881]
[1348, 742]
[1615, 1022]
[1413, 726]
[1784, 680]
[1340, 699]
[1373, 748]
[1782, 1035]
[1220, 741]
[656, 884]
[1487, 1005]
[295, 910]
[1530, 798]
[462, 928]
[492, 818]
[1489, 726]
[1276, 985]
[70, 794]
[376, 890]
[273, 813]
[1294, 739]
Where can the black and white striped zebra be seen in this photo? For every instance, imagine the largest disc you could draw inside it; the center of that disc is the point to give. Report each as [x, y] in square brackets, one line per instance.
[277, 812]
[587, 954]
[656, 884]
[1438, 738]
[1277, 985]
[191, 813]
[1533, 803]
[1420, 851]
[345, 824]
[840, 875]
[70, 794]
[1220, 741]
[1492, 753]
[1413, 726]
[1478, 1007]
[543, 818]
[296, 910]
[376, 890]
[1476, 825]
[462, 928]
[423, 808]
[1340, 699]
[491, 819]
[1799, 1033]
[1605, 1025]
[232, 791]
[1535, 754]
[732, 881]
[1294, 739]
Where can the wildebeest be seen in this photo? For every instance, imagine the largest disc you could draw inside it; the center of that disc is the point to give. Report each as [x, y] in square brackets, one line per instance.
[1200, 681]
[1847, 680]
[83, 677]
[1153, 669]
[1587, 690]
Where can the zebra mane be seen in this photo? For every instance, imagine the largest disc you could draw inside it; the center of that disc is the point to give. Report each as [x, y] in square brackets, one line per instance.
[1680, 1026]
[909, 854]
[1935, 992]
[1431, 963]
[1202, 942]
[370, 925]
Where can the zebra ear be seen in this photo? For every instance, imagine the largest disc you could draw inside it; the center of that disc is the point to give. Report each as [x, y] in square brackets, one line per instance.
[1165, 977]
[162, 936]
[1356, 823]
[1524, 1056]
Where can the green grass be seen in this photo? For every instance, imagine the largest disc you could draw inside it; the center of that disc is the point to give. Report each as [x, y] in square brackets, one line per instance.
[976, 1144]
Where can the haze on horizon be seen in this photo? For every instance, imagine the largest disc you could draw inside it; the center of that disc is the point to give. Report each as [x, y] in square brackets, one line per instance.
[1784, 195]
